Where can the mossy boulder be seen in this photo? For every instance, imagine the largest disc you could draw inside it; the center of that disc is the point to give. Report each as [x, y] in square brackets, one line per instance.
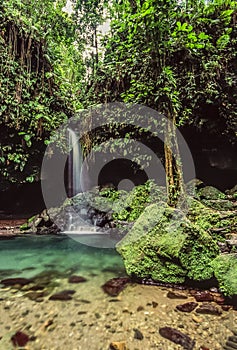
[219, 204]
[225, 271]
[165, 246]
[210, 219]
[210, 192]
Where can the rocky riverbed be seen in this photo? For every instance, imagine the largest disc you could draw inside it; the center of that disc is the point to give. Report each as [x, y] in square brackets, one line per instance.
[92, 319]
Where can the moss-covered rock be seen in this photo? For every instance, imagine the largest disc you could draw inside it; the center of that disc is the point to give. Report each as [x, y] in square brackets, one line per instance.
[166, 246]
[210, 219]
[219, 204]
[210, 192]
[129, 207]
[225, 270]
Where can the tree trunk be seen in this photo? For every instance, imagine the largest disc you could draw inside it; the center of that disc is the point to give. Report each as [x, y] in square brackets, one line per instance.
[173, 164]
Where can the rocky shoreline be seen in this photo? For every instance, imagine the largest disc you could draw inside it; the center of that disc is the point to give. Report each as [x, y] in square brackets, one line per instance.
[116, 314]
[11, 227]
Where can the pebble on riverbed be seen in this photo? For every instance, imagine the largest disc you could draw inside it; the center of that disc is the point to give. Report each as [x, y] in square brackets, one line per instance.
[18, 281]
[115, 285]
[209, 309]
[76, 279]
[177, 337]
[20, 339]
[63, 295]
[187, 307]
[176, 295]
[138, 334]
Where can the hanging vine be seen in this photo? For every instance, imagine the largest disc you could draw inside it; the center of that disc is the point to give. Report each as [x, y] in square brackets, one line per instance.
[34, 95]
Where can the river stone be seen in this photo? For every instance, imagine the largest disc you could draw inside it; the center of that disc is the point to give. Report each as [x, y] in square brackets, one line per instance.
[176, 295]
[208, 308]
[177, 337]
[20, 339]
[138, 334]
[63, 295]
[76, 279]
[187, 307]
[15, 281]
[202, 295]
[115, 285]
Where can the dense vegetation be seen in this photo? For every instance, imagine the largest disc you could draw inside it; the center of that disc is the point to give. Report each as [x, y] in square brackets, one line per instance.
[39, 73]
[176, 57]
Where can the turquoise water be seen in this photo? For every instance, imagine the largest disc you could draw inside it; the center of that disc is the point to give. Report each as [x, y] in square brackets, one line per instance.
[30, 255]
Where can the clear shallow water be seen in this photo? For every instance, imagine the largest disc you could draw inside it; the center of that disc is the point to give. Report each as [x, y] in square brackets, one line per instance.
[30, 255]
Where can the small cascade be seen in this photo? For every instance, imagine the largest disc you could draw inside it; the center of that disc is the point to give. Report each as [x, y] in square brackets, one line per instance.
[78, 220]
[74, 164]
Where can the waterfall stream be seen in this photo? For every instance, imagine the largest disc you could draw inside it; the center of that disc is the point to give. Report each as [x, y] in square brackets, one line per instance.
[74, 164]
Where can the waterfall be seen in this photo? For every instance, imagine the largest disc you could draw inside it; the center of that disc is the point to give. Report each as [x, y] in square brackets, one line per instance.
[74, 163]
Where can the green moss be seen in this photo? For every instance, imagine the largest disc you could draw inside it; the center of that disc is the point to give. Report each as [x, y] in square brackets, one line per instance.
[24, 227]
[225, 270]
[208, 218]
[166, 246]
[137, 200]
[31, 219]
[143, 261]
[211, 193]
[197, 253]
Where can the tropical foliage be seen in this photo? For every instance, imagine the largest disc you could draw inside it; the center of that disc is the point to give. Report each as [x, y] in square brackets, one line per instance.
[178, 57]
[39, 72]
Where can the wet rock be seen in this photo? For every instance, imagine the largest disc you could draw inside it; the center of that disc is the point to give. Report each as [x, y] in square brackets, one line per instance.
[115, 285]
[140, 308]
[207, 308]
[187, 307]
[121, 345]
[8, 282]
[176, 295]
[63, 295]
[76, 279]
[203, 295]
[138, 334]
[219, 299]
[204, 348]
[20, 339]
[226, 307]
[177, 337]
